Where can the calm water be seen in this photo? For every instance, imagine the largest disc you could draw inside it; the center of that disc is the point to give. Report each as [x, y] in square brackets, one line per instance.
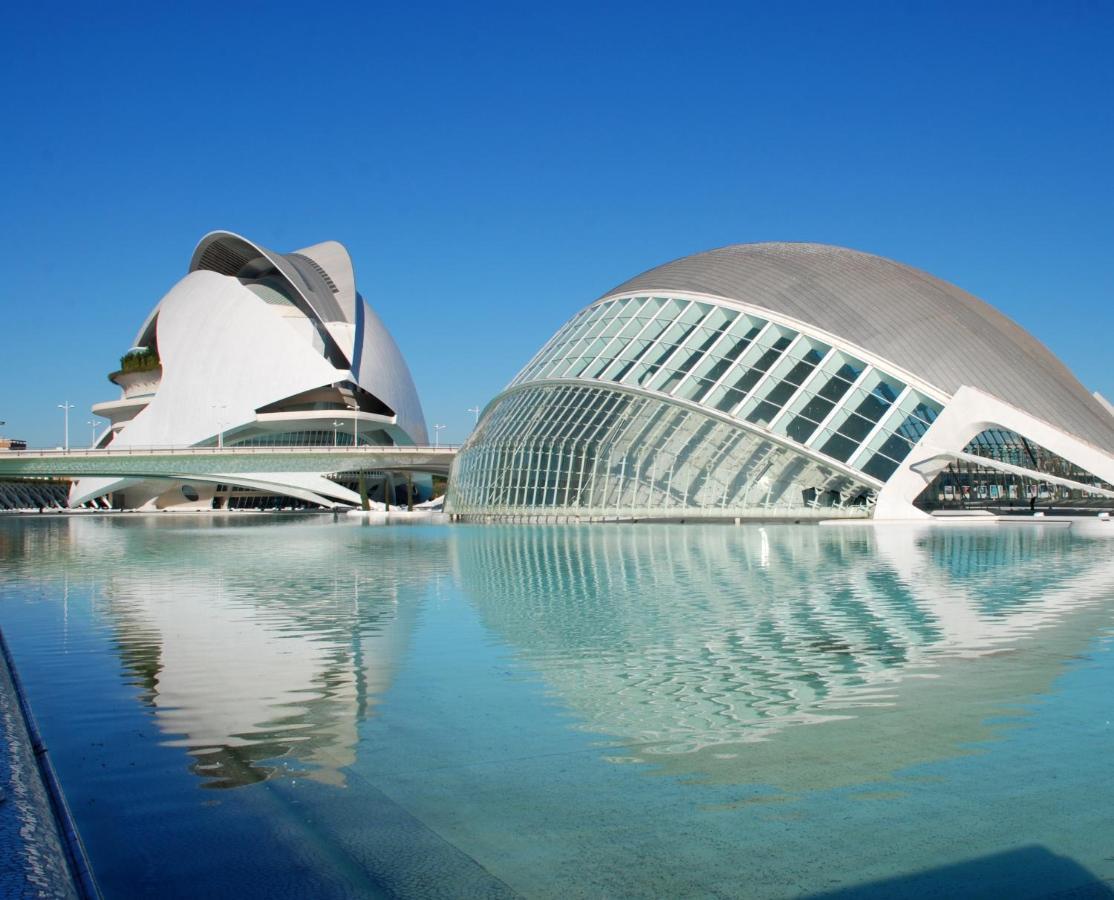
[267, 707]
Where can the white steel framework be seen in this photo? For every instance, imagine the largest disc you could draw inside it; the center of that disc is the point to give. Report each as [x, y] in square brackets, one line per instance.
[688, 403]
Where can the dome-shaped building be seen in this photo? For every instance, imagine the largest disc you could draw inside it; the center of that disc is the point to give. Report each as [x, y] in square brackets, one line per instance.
[254, 347]
[784, 380]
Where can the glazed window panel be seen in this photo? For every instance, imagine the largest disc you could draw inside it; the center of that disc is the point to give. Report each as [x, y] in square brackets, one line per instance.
[834, 388]
[881, 467]
[780, 392]
[926, 409]
[711, 367]
[726, 398]
[597, 366]
[667, 374]
[689, 356]
[912, 429]
[635, 323]
[800, 428]
[624, 359]
[576, 367]
[892, 445]
[775, 391]
[809, 350]
[850, 368]
[816, 410]
[762, 356]
[811, 407]
[740, 335]
[837, 446]
[652, 334]
[673, 336]
[905, 421]
[877, 394]
[855, 427]
[763, 413]
[697, 388]
[606, 324]
[614, 325]
[720, 318]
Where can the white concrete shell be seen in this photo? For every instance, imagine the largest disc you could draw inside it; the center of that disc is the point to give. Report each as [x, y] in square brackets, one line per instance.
[254, 345]
[771, 380]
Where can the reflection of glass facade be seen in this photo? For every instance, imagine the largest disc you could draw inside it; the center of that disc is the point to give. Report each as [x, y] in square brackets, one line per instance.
[646, 405]
[677, 641]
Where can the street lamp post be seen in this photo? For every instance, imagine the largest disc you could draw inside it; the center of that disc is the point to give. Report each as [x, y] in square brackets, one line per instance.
[475, 410]
[219, 409]
[437, 435]
[92, 432]
[336, 425]
[355, 424]
[66, 407]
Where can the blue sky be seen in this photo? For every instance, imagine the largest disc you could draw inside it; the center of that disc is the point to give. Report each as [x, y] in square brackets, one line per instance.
[493, 168]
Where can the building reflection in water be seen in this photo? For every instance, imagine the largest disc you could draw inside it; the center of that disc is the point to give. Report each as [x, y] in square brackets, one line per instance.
[257, 662]
[701, 648]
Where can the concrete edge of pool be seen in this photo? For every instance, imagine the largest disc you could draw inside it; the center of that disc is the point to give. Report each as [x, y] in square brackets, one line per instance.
[41, 851]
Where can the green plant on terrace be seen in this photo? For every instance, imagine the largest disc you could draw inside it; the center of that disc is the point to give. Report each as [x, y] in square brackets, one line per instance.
[140, 359]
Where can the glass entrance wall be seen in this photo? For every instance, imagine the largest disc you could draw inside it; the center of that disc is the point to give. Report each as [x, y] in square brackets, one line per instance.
[967, 484]
[587, 451]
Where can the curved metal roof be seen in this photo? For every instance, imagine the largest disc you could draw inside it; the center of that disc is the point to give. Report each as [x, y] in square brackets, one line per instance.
[229, 254]
[926, 326]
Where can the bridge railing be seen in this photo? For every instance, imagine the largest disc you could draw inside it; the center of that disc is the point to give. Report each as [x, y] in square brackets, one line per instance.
[179, 450]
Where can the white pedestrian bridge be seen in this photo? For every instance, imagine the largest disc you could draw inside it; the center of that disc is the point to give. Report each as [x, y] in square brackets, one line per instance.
[186, 462]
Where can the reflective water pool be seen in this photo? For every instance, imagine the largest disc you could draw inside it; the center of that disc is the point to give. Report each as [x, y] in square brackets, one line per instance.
[294, 707]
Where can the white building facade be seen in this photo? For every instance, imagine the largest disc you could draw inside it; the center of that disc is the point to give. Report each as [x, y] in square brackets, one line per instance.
[253, 348]
[782, 380]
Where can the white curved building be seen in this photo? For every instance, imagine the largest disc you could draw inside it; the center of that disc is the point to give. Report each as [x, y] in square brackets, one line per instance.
[254, 347]
[781, 379]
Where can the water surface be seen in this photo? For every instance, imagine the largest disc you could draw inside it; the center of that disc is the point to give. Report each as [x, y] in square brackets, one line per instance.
[284, 707]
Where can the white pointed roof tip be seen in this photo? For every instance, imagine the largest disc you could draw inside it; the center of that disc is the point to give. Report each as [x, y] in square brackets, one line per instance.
[333, 257]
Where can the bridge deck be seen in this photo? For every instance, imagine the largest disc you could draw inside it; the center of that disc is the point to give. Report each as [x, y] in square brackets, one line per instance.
[185, 461]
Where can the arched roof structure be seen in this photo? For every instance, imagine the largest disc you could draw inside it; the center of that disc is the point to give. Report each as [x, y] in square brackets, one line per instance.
[230, 254]
[922, 324]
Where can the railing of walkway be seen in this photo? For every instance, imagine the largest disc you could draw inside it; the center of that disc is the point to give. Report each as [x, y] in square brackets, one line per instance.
[178, 450]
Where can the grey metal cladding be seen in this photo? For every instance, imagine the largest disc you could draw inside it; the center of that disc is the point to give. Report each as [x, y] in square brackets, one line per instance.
[321, 293]
[926, 326]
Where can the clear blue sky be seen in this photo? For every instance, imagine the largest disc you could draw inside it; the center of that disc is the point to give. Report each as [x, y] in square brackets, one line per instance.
[493, 168]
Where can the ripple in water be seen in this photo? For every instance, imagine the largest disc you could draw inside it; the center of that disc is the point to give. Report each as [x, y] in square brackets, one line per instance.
[686, 641]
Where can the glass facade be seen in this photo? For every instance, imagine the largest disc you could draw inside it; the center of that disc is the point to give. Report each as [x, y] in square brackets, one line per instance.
[650, 404]
[589, 451]
[738, 364]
